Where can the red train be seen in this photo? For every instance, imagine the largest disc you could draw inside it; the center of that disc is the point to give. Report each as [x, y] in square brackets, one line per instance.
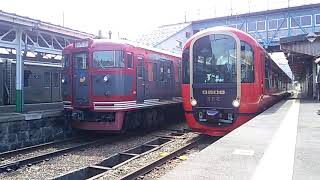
[228, 78]
[115, 85]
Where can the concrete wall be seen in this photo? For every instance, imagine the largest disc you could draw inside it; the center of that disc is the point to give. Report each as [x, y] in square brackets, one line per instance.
[18, 130]
[171, 43]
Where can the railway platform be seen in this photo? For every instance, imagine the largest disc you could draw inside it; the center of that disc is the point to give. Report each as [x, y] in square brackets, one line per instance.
[281, 143]
[39, 123]
[32, 111]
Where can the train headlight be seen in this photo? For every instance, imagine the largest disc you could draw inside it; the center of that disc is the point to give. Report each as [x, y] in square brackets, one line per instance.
[62, 80]
[193, 102]
[106, 78]
[82, 79]
[236, 103]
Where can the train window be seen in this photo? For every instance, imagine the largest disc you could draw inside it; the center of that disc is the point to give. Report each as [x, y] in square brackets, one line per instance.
[214, 59]
[185, 66]
[129, 60]
[161, 72]
[81, 60]
[106, 59]
[65, 61]
[140, 68]
[46, 79]
[247, 63]
[150, 73]
[169, 73]
[27, 78]
[267, 72]
[155, 77]
[56, 80]
[179, 72]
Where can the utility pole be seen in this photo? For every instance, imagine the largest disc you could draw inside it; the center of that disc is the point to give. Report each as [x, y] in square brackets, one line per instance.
[62, 18]
[231, 7]
[110, 34]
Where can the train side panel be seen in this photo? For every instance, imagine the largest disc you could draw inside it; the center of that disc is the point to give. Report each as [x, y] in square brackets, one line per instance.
[41, 83]
[1, 82]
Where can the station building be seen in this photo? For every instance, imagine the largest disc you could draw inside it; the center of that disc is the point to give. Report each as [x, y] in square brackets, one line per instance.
[295, 31]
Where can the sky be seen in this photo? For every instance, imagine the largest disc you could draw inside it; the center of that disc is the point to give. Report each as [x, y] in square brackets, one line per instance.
[132, 18]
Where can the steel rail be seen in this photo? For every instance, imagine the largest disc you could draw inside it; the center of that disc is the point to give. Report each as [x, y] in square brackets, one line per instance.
[37, 147]
[149, 167]
[40, 158]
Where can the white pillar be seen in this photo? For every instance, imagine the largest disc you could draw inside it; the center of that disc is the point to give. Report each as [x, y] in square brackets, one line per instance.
[19, 73]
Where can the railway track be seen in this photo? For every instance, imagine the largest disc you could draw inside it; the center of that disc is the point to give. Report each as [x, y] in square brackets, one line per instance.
[8, 154]
[121, 159]
[16, 164]
[149, 167]
[21, 158]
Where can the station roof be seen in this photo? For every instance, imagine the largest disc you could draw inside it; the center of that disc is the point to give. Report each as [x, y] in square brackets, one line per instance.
[162, 33]
[35, 23]
[300, 53]
[259, 13]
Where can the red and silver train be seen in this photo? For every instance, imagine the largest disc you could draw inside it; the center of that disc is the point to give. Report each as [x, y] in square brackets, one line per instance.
[113, 85]
[228, 78]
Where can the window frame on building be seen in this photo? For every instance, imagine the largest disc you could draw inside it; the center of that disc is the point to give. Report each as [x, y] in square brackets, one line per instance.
[276, 20]
[260, 30]
[310, 21]
[281, 20]
[299, 21]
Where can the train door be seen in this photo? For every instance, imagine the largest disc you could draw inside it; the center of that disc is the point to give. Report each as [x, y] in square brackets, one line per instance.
[170, 79]
[162, 80]
[80, 79]
[140, 80]
[1, 83]
[47, 95]
[55, 86]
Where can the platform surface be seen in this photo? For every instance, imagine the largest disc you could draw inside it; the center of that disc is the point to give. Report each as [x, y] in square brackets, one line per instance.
[281, 143]
[32, 111]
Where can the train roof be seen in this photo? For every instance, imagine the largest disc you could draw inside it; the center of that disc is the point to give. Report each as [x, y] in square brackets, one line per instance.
[223, 28]
[129, 43]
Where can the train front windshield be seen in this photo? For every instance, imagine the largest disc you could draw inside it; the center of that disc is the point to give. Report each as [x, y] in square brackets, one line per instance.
[108, 59]
[214, 59]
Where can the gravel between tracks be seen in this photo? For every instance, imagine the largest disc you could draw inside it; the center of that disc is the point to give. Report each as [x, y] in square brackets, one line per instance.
[170, 165]
[79, 159]
[40, 151]
[148, 158]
